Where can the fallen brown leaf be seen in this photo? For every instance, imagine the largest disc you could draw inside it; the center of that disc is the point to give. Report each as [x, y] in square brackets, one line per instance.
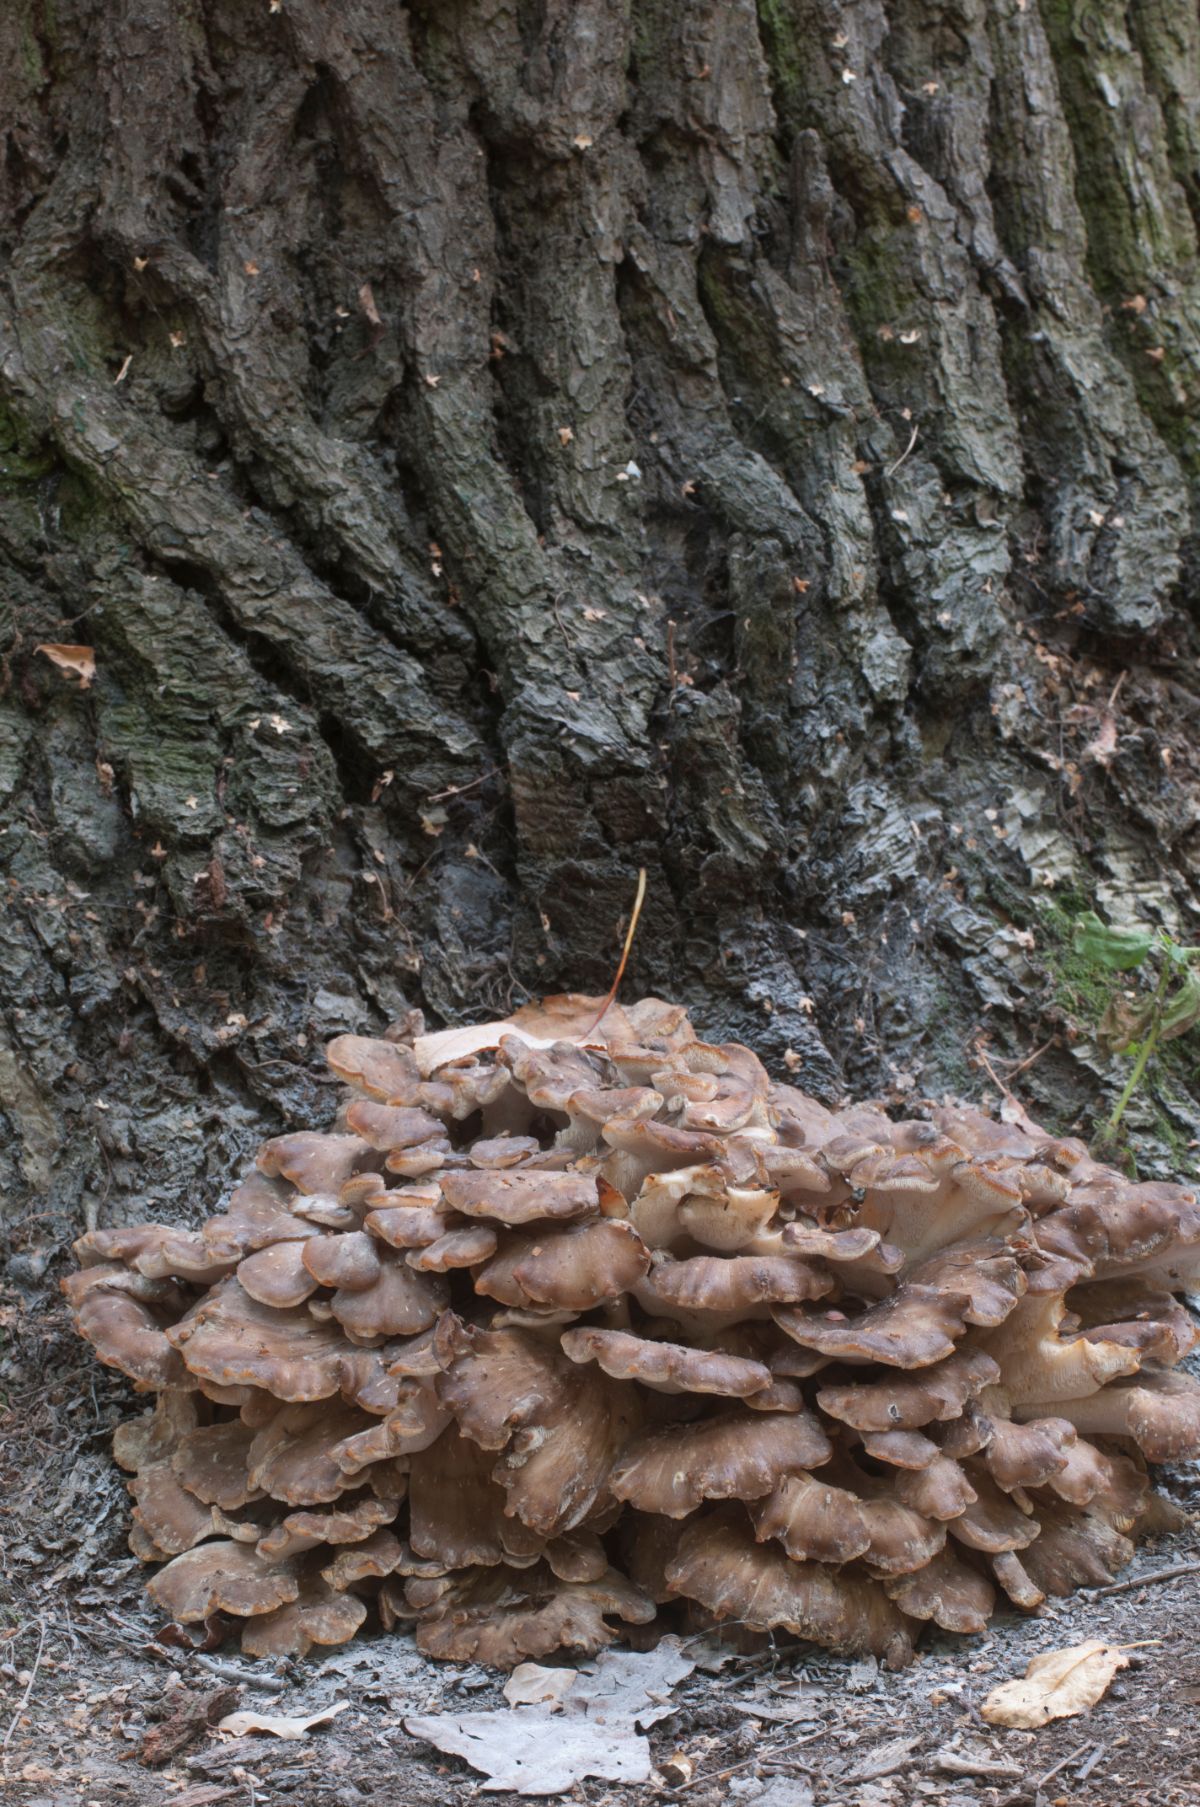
[1056, 1685]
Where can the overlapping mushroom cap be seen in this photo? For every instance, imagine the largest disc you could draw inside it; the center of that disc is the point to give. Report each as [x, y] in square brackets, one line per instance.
[570, 1322]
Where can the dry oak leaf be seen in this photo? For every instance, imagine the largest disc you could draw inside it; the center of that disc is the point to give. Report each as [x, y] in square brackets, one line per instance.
[78, 661]
[280, 1725]
[1057, 1685]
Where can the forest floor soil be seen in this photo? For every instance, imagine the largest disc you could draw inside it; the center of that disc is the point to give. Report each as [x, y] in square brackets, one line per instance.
[88, 1696]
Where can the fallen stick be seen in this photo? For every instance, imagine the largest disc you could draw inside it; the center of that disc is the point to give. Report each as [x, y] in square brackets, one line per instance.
[954, 1765]
[1063, 1762]
[1121, 1587]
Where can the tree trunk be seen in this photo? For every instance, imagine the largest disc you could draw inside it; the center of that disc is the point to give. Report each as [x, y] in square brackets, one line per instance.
[492, 448]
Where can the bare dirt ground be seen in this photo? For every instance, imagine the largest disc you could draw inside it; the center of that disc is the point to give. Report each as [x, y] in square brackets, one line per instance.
[94, 1710]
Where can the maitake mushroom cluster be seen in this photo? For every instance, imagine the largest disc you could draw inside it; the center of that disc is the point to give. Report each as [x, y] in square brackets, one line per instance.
[566, 1323]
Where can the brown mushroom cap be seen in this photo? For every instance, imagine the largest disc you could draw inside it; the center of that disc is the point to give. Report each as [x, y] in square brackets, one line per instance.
[230, 1338]
[398, 1302]
[317, 1615]
[221, 1577]
[521, 1197]
[315, 1162]
[457, 1248]
[277, 1275]
[112, 1310]
[735, 1283]
[718, 1564]
[940, 1491]
[673, 1469]
[457, 1511]
[576, 1268]
[385, 1127]
[939, 1392]
[818, 1522]
[953, 1596]
[294, 1457]
[1160, 1412]
[351, 1260]
[921, 1322]
[993, 1521]
[303, 1531]
[1026, 1455]
[666, 1367]
[212, 1461]
[560, 1428]
[380, 1069]
[503, 1616]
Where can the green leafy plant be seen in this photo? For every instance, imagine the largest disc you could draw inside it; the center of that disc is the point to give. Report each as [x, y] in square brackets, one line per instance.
[1138, 1023]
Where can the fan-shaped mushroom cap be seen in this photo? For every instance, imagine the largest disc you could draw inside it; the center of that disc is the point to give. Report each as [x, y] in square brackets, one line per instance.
[1130, 1312]
[718, 1564]
[903, 1449]
[1159, 1411]
[457, 1511]
[381, 1069]
[818, 1522]
[376, 1556]
[671, 1470]
[156, 1250]
[221, 1577]
[503, 1617]
[457, 1248]
[731, 1283]
[303, 1531]
[919, 1324]
[409, 1226]
[729, 1220]
[1076, 1548]
[830, 1245]
[575, 1268]
[211, 1461]
[993, 1521]
[229, 1338]
[112, 1309]
[165, 1515]
[642, 1148]
[941, 1491]
[319, 1615]
[666, 1367]
[294, 1457]
[1119, 1229]
[561, 1429]
[521, 1196]
[886, 1404]
[351, 1260]
[955, 1597]
[398, 1303]
[385, 1127]
[1026, 1455]
[313, 1161]
[418, 1420]
[277, 1275]
[1041, 1367]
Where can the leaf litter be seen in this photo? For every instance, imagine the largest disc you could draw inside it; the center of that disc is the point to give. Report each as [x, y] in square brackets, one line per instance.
[564, 1724]
[1056, 1685]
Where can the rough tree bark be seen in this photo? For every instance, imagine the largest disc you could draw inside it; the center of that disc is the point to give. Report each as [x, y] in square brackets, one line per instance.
[493, 445]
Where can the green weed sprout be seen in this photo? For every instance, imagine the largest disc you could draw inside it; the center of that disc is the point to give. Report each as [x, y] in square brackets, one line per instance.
[1137, 1025]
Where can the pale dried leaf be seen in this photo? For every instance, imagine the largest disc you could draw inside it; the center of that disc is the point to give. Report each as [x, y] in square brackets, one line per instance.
[279, 1725]
[535, 1750]
[531, 1685]
[78, 661]
[581, 1723]
[1056, 1685]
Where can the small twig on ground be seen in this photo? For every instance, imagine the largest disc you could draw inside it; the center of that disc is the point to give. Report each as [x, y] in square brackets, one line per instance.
[1085, 1769]
[1036, 1055]
[953, 1765]
[721, 1775]
[1135, 1581]
[230, 1672]
[1063, 1762]
[24, 1701]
